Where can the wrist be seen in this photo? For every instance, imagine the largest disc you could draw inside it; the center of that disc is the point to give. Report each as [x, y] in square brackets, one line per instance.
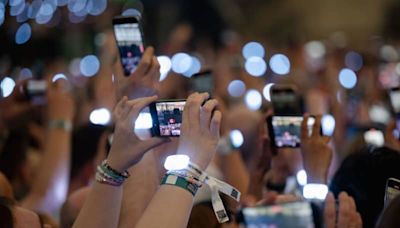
[61, 124]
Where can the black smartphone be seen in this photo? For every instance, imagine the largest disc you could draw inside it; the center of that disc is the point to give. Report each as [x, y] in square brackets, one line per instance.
[202, 82]
[284, 131]
[293, 214]
[129, 36]
[285, 101]
[167, 117]
[35, 91]
[394, 95]
[392, 190]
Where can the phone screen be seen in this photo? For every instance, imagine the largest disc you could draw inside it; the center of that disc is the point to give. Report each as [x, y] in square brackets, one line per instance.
[285, 101]
[286, 130]
[167, 117]
[130, 42]
[202, 82]
[295, 214]
[392, 190]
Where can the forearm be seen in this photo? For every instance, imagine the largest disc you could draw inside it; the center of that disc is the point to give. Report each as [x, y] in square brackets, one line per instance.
[235, 171]
[136, 199]
[101, 208]
[49, 189]
[170, 207]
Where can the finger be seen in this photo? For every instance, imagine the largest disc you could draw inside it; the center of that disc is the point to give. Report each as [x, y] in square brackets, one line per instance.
[317, 126]
[206, 112]
[194, 109]
[185, 114]
[119, 107]
[154, 142]
[215, 124]
[304, 127]
[154, 71]
[358, 221]
[344, 210]
[330, 211]
[139, 105]
[145, 63]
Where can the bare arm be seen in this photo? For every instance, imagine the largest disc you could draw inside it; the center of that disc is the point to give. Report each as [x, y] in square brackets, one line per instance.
[49, 190]
[102, 207]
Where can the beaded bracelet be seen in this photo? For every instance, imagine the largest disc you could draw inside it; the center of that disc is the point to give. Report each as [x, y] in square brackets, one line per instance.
[107, 175]
[171, 179]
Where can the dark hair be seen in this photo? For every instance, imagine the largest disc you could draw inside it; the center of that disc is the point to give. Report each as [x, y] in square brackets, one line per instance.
[85, 141]
[363, 176]
[6, 215]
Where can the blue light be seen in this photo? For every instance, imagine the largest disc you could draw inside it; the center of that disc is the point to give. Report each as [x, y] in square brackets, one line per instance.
[25, 73]
[73, 18]
[62, 2]
[89, 65]
[74, 67]
[195, 67]
[236, 138]
[17, 9]
[15, 2]
[347, 78]
[96, 7]
[181, 62]
[252, 49]
[266, 91]
[2, 13]
[301, 177]
[23, 16]
[34, 8]
[23, 34]
[236, 88]
[353, 60]
[328, 125]
[132, 12]
[253, 100]
[47, 9]
[76, 5]
[165, 66]
[280, 64]
[42, 19]
[255, 66]
[100, 116]
[7, 86]
[315, 49]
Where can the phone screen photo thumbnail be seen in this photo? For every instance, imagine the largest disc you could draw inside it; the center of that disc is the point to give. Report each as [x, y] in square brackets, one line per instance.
[170, 117]
[130, 45]
[287, 130]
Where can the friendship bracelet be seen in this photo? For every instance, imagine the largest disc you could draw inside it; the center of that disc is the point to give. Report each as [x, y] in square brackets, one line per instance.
[190, 178]
[107, 167]
[171, 179]
[104, 180]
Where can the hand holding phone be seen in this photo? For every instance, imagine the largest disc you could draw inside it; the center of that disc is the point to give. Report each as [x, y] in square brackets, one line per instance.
[392, 190]
[129, 37]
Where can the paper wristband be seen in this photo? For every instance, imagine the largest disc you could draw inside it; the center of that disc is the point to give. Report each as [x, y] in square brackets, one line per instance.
[170, 179]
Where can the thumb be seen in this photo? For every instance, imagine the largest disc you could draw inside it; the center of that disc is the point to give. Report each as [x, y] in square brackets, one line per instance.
[154, 142]
[330, 211]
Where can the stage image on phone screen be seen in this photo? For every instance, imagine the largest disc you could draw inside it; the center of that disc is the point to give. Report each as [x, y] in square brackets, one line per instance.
[287, 130]
[392, 190]
[130, 45]
[170, 117]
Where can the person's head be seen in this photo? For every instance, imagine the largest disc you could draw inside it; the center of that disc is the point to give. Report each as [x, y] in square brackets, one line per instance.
[71, 207]
[12, 215]
[363, 176]
[88, 142]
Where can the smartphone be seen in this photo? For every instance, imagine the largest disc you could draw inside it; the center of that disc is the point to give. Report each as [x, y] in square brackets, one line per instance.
[35, 91]
[374, 137]
[202, 82]
[285, 130]
[392, 190]
[167, 117]
[293, 214]
[285, 101]
[129, 36]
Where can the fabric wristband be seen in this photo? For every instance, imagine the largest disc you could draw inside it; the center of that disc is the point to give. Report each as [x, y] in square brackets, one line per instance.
[170, 179]
[60, 124]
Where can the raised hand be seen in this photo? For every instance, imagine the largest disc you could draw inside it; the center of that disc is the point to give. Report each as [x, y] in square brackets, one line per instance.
[347, 215]
[143, 82]
[317, 155]
[200, 129]
[127, 149]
